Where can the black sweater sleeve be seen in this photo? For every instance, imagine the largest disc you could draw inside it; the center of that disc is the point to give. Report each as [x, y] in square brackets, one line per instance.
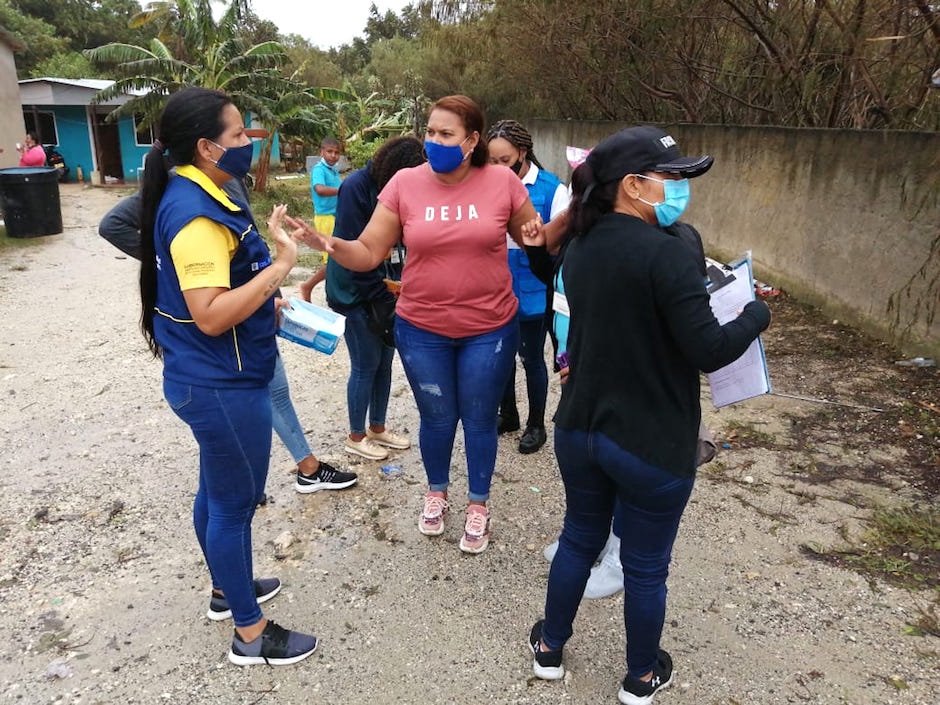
[121, 226]
[541, 263]
[684, 304]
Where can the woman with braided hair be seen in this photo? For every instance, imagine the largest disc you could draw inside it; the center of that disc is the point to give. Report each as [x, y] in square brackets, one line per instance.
[510, 144]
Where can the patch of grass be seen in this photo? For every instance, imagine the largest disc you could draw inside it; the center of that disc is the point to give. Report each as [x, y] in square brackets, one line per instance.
[928, 623]
[901, 545]
[747, 435]
[53, 640]
[295, 194]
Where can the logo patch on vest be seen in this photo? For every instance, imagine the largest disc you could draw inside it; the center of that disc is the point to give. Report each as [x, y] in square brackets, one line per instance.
[258, 266]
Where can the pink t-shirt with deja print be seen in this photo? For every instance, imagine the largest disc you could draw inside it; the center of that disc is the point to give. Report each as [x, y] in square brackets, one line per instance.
[456, 280]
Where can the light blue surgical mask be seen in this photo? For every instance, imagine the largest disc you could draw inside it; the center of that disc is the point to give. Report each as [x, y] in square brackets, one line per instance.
[675, 199]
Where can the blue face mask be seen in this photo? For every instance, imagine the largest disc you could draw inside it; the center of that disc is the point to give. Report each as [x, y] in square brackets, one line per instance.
[235, 161]
[675, 200]
[443, 158]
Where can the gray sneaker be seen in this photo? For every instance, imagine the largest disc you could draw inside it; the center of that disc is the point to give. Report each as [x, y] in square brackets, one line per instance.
[265, 589]
[275, 647]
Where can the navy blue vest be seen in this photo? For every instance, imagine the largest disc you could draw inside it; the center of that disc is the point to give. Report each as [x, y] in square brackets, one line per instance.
[525, 285]
[242, 356]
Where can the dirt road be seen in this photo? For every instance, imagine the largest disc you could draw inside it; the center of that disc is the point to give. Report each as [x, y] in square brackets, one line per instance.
[104, 590]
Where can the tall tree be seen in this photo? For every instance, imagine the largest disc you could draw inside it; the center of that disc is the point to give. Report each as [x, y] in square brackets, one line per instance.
[195, 50]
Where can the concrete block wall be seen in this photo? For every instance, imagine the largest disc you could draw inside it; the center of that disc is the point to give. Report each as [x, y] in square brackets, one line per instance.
[846, 220]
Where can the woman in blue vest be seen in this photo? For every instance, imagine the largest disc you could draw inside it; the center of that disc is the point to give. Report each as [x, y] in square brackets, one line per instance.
[207, 286]
[510, 144]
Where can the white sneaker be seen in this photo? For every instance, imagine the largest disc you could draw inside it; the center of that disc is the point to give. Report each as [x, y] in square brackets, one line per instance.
[551, 549]
[606, 577]
[366, 448]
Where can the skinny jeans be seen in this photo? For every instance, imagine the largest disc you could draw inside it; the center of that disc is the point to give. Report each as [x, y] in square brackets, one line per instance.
[457, 379]
[233, 429]
[597, 473]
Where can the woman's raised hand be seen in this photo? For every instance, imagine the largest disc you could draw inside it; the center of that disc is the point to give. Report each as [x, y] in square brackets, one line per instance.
[285, 245]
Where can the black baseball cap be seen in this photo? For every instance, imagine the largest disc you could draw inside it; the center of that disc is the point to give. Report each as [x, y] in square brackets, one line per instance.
[635, 150]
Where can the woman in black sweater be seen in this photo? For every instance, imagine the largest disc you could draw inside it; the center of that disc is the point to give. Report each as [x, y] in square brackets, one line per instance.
[640, 331]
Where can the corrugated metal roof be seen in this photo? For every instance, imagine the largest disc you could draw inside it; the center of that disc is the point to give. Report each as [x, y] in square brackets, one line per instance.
[97, 84]
[69, 91]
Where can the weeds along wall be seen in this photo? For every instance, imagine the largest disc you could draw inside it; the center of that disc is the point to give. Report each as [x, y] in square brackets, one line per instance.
[846, 220]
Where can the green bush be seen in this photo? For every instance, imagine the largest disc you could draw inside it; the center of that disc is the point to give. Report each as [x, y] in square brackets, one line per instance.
[359, 152]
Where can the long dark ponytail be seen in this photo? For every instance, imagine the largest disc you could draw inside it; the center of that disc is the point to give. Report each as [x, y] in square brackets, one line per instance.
[189, 115]
[589, 200]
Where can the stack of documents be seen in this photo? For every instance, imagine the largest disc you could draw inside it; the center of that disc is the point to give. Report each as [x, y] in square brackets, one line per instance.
[731, 288]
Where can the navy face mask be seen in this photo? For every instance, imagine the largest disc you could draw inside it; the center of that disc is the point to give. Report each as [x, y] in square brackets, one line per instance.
[444, 158]
[235, 161]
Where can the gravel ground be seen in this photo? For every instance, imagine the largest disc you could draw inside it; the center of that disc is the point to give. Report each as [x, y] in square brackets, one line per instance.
[104, 590]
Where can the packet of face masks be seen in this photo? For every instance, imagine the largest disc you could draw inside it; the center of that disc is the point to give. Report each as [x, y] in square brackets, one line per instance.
[311, 326]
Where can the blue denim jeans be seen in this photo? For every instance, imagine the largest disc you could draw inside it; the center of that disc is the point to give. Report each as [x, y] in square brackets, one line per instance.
[532, 352]
[457, 379]
[233, 430]
[597, 472]
[370, 373]
[284, 418]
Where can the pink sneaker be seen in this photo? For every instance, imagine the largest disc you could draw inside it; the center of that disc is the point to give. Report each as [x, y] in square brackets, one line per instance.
[431, 522]
[476, 532]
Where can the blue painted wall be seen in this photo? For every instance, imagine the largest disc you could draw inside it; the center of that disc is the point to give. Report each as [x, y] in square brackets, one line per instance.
[74, 142]
[132, 154]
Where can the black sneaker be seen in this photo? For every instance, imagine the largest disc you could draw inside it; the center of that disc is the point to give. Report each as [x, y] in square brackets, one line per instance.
[533, 439]
[636, 692]
[276, 647]
[547, 664]
[265, 589]
[325, 478]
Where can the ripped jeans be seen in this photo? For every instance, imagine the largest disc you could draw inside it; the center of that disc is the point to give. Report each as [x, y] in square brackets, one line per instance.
[458, 379]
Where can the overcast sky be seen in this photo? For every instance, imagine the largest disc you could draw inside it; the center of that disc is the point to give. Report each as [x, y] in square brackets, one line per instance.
[325, 23]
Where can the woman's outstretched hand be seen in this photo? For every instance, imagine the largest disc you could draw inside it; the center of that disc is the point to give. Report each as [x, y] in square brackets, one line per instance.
[310, 236]
[285, 245]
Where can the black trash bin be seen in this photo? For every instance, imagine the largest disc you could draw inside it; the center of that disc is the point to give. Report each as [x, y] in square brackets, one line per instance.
[29, 197]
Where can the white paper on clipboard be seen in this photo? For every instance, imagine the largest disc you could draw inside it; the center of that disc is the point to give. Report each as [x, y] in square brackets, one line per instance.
[747, 376]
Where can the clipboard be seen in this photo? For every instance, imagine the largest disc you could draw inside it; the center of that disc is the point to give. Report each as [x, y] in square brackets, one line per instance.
[731, 288]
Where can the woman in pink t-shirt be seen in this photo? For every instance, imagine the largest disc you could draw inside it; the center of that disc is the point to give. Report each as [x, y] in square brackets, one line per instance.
[456, 328]
[32, 153]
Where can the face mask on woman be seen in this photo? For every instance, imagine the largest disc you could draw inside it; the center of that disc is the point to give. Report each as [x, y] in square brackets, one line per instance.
[235, 161]
[444, 158]
[675, 200]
